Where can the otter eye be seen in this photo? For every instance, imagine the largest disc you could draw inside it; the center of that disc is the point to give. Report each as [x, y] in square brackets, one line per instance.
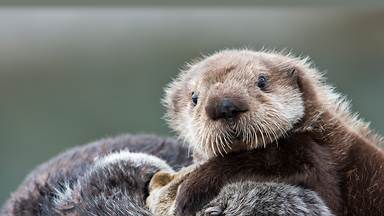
[262, 82]
[194, 98]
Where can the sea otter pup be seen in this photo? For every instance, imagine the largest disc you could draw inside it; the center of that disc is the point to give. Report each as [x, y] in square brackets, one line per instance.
[244, 104]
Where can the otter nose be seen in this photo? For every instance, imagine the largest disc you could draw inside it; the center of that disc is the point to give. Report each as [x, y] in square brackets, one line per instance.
[226, 108]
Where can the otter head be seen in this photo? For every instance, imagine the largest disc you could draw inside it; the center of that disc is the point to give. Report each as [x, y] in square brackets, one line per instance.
[235, 100]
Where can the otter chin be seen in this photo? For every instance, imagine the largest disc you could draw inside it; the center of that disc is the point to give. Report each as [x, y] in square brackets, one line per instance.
[235, 100]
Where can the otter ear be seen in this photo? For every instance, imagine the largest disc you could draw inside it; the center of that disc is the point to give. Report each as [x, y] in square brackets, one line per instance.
[293, 73]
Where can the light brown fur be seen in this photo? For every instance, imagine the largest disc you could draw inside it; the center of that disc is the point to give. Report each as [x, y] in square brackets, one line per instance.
[163, 189]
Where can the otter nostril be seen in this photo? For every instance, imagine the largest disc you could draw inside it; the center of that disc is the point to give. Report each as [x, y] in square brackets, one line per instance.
[226, 108]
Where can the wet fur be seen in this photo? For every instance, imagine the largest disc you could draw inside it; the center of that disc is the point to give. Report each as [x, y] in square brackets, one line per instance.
[115, 185]
[36, 194]
[264, 199]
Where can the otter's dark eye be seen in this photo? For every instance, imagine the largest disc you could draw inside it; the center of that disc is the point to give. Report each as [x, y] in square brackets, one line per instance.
[262, 82]
[194, 98]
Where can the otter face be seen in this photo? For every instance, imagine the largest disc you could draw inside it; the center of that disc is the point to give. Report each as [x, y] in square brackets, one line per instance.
[235, 100]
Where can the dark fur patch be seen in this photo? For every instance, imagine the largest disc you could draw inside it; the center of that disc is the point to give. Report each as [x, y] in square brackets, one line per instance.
[297, 161]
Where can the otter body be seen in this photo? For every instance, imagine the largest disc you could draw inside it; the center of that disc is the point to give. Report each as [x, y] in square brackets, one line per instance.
[46, 190]
[297, 161]
[294, 164]
[243, 101]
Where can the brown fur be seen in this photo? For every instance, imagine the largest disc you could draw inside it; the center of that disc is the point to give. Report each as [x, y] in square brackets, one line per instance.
[297, 161]
[312, 124]
[359, 160]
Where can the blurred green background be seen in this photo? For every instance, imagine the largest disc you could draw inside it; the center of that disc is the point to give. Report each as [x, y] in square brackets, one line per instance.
[70, 75]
